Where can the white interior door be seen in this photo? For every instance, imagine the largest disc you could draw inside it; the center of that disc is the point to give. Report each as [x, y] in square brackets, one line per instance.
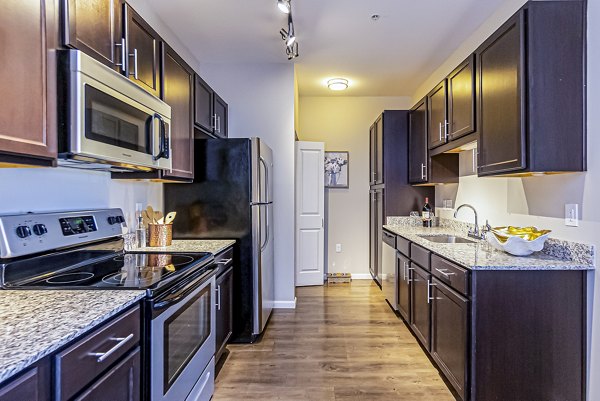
[310, 213]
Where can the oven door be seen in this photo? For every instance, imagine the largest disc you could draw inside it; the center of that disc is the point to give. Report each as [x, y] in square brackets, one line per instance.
[182, 339]
[112, 120]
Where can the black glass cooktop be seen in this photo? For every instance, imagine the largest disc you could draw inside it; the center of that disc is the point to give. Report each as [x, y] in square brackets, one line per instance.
[104, 269]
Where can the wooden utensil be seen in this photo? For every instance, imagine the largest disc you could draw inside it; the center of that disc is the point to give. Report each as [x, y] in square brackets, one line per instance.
[170, 217]
[150, 212]
[158, 217]
[146, 219]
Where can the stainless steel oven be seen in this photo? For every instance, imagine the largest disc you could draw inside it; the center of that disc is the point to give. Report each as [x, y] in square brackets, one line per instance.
[108, 122]
[182, 342]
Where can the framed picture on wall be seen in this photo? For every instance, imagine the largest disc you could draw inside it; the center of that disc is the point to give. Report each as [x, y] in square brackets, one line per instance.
[336, 170]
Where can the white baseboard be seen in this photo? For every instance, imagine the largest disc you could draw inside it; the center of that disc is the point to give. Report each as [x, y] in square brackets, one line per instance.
[361, 276]
[285, 304]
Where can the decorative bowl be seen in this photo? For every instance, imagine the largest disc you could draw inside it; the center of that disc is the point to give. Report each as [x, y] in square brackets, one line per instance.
[518, 241]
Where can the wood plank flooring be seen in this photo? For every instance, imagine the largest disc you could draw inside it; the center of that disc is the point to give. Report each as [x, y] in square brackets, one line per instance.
[341, 343]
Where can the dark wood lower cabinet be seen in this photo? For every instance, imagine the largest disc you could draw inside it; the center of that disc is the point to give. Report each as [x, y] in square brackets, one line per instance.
[121, 383]
[450, 334]
[404, 278]
[420, 307]
[224, 312]
[33, 385]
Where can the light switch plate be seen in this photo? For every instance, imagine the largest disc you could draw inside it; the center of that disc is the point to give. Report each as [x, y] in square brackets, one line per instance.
[572, 214]
[338, 248]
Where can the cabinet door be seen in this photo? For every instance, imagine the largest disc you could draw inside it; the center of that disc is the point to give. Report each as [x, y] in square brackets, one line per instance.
[220, 111]
[372, 154]
[500, 66]
[420, 304]
[404, 274]
[461, 99]
[379, 150]
[374, 236]
[177, 91]
[418, 161]
[203, 105]
[437, 122]
[449, 334]
[224, 312]
[28, 35]
[143, 48]
[33, 385]
[121, 383]
[95, 27]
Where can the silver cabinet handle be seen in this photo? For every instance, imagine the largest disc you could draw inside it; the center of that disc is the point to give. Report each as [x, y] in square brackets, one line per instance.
[214, 122]
[440, 131]
[135, 63]
[103, 355]
[408, 269]
[219, 124]
[445, 272]
[122, 46]
[218, 297]
[423, 171]
[224, 261]
[446, 123]
[429, 285]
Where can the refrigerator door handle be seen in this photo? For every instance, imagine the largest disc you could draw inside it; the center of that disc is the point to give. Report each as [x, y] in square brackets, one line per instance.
[264, 245]
[264, 163]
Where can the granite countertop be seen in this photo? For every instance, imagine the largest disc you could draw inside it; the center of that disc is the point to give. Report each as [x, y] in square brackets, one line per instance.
[199, 245]
[557, 255]
[33, 324]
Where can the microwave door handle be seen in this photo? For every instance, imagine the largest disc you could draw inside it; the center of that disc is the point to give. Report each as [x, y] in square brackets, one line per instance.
[163, 145]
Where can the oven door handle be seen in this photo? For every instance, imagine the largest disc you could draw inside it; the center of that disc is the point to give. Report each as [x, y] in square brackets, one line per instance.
[178, 294]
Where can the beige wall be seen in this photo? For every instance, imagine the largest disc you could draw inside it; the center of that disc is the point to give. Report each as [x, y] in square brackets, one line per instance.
[343, 124]
[540, 201]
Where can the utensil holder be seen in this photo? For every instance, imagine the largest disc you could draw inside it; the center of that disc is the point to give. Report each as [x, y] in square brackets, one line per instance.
[160, 234]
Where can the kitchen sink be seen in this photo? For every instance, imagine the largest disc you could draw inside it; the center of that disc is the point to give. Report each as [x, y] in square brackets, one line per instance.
[447, 239]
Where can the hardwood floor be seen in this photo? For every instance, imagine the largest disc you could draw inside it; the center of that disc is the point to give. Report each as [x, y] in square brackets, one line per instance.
[341, 343]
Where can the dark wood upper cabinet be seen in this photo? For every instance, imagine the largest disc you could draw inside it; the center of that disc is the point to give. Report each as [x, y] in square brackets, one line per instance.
[177, 91]
[203, 105]
[418, 161]
[531, 98]
[96, 28]
[211, 112]
[143, 49]
[376, 152]
[461, 99]
[437, 123]
[220, 110]
[28, 75]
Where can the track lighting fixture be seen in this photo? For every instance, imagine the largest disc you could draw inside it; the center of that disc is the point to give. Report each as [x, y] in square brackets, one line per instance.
[289, 35]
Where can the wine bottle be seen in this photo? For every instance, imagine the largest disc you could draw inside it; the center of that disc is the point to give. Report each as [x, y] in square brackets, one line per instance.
[426, 215]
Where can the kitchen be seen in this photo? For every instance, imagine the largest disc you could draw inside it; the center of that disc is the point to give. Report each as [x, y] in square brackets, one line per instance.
[342, 121]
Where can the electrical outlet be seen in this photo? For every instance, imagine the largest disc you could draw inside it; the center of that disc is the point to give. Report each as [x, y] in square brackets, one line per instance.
[572, 214]
[338, 248]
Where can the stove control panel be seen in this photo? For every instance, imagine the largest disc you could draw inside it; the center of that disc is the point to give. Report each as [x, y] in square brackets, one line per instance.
[31, 233]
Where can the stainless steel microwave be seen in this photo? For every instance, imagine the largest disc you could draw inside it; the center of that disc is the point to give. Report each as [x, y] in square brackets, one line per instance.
[107, 122]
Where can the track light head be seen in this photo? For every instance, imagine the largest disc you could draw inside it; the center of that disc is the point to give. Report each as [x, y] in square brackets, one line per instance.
[284, 6]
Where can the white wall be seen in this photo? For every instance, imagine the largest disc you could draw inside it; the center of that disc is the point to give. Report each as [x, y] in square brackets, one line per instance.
[53, 189]
[540, 201]
[343, 124]
[261, 103]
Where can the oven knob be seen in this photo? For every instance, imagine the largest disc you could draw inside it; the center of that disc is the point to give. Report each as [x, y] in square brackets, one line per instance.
[23, 231]
[112, 220]
[120, 219]
[40, 229]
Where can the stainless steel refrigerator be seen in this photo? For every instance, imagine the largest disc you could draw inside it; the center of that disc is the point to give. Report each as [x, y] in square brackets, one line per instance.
[232, 198]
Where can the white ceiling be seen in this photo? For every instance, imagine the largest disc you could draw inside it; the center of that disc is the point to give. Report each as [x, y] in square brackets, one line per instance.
[337, 38]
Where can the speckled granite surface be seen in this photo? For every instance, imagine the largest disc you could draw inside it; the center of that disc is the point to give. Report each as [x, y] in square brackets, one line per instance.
[212, 246]
[560, 255]
[34, 324]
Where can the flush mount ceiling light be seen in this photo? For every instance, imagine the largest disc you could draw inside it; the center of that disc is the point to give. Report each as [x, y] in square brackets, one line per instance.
[337, 84]
[284, 6]
[289, 35]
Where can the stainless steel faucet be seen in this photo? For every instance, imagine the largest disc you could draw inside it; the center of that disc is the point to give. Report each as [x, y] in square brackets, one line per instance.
[475, 233]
